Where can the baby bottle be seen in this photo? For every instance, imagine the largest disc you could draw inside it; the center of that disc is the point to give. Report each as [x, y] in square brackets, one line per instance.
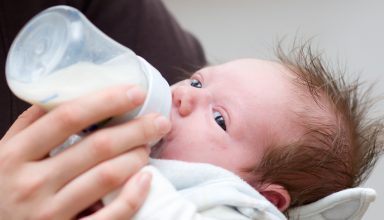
[60, 55]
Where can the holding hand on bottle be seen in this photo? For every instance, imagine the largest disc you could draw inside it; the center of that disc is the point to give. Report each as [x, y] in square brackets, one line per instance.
[34, 186]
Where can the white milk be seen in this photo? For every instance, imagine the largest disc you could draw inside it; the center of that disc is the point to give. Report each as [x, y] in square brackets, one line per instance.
[79, 79]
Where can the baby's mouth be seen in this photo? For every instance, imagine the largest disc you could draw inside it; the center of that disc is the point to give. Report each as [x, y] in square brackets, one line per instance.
[156, 149]
[90, 210]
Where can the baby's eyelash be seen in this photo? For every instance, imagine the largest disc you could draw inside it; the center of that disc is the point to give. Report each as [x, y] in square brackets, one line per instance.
[196, 83]
[198, 76]
[218, 117]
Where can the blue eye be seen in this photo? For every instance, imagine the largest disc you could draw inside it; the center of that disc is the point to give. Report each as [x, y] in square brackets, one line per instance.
[196, 83]
[220, 120]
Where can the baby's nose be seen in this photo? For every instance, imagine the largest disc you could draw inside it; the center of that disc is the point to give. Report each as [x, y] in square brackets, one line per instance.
[184, 98]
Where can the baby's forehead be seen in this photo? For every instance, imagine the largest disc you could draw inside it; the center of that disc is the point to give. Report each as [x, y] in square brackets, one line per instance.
[253, 63]
[248, 69]
[253, 77]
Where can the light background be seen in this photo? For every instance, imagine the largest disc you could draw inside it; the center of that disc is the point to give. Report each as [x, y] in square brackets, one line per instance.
[350, 32]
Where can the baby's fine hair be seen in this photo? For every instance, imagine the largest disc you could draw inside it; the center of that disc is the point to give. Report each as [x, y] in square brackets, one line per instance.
[340, 147]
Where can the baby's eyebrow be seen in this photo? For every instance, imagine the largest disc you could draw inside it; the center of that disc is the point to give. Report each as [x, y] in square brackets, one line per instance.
[198, 75]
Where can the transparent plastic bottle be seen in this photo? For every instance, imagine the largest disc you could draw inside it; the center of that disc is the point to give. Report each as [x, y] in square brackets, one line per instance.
[60, 55]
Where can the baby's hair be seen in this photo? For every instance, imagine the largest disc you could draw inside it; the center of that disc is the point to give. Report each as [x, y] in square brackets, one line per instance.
[341, 145]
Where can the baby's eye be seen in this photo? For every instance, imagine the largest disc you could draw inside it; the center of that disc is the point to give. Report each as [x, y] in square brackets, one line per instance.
[220, 120]
[196, 83]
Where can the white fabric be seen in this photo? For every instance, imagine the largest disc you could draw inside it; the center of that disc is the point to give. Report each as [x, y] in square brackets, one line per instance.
[195, 191]
[186, 191]
[348, 204]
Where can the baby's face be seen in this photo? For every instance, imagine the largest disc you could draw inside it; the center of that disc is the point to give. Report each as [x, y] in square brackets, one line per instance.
[227, 115]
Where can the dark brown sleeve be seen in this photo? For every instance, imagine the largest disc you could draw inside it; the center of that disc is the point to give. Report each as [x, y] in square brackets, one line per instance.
[145, 26]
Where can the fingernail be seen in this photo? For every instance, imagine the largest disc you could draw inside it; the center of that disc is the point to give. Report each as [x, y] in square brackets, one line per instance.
[136, 94]
[144, 178]
[162, 125]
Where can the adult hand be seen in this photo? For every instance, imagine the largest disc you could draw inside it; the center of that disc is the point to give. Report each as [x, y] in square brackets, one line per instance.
[130, 199]
[34, 186]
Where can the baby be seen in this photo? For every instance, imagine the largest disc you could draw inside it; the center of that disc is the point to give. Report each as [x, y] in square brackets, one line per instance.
[292, 130]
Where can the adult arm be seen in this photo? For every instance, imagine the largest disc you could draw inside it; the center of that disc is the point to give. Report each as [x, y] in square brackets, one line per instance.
[145, 26]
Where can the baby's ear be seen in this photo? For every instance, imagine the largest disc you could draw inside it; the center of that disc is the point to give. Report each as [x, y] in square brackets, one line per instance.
[277, 195]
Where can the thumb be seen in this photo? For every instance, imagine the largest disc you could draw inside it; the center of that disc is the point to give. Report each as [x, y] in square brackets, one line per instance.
[24, 120]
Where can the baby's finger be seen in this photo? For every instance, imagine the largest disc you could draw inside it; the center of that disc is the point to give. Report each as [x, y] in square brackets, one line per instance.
[129, 200]
[69, 118]
[106, 144]
[24, 120]
[96, 183]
